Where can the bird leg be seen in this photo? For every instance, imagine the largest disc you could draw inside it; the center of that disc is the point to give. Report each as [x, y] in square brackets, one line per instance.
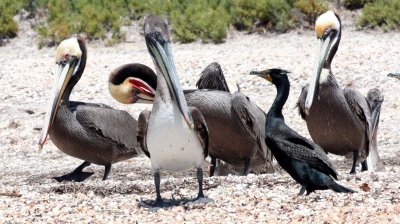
[364, 166]
[77, 175]
[200, 181]
[159, 200]
[355, 158]
[106, 171]
[302, 190]
[246, 167]
[213, 166]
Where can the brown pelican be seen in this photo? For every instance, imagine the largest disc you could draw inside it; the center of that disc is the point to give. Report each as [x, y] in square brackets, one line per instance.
[341, 121]
[304, 160]
[133, 83]
[235, 135]
[213, 78]
[174, 134]
[95, 133]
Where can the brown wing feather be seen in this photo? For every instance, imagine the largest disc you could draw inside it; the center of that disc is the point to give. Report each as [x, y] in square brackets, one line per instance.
[360, 107]
[375, 99]
[212, 77]
[201, 128]
[302, 101]
[246, 111]
[113, 124]
[143, 122]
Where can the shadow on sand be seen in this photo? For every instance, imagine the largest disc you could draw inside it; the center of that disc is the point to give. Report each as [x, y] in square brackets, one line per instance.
[152, 206]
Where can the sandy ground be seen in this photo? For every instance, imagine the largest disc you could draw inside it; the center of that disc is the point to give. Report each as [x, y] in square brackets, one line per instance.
[29, 194]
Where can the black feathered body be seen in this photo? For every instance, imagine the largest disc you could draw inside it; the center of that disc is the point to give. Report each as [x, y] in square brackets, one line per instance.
[304, 160]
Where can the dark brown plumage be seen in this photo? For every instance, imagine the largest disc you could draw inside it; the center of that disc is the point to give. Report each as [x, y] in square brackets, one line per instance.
[341, 121]
[95, 133]
[213, 78]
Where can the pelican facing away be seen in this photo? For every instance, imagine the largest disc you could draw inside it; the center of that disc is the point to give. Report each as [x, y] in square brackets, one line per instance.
[304, 160]
[235, 123]
[95, 133]
[174, 134]
[341, 121]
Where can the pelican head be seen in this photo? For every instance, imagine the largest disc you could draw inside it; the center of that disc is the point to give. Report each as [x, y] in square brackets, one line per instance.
[68, 61]
[133, 83]
[328, 31]
[159, 46]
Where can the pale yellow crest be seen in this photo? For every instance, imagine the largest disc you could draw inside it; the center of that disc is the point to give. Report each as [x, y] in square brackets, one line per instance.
[122, 92]
[67, 48]
[326, 21]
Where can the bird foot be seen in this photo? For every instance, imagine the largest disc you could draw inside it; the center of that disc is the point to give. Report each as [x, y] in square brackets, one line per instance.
[74, 176]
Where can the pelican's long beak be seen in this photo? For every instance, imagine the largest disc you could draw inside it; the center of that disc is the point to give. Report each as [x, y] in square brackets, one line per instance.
[162, 55]
[64, 73]
[323, 48]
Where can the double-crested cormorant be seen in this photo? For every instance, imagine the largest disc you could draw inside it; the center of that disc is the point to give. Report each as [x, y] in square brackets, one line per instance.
[304, 160]
[174, 134]
[95, 133]
[341, 121]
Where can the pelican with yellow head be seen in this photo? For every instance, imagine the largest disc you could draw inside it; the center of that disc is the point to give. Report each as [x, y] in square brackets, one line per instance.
[341, 121]
[95, 133]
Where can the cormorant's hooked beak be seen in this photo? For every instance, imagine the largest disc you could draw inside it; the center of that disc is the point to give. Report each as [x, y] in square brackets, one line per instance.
[263, 74]
[323, 48]
[160, 49]
[64, 73]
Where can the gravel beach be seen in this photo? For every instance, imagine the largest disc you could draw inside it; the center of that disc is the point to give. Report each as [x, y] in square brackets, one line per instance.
[29, 194]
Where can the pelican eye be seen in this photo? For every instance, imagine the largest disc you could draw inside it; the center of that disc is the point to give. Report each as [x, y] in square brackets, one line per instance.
[65, 59]
[328, 32]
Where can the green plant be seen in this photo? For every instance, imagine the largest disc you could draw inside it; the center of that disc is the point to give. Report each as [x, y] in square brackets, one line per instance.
[94, 18]
[200, 19]
[8, 8]
[311, 8]
[381, 13]
[274, 14]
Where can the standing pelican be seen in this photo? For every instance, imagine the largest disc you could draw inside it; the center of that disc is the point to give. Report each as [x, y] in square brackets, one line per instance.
[233, 120]
[341, 121]
[95, 133]
[175, 136]
[305, 161]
